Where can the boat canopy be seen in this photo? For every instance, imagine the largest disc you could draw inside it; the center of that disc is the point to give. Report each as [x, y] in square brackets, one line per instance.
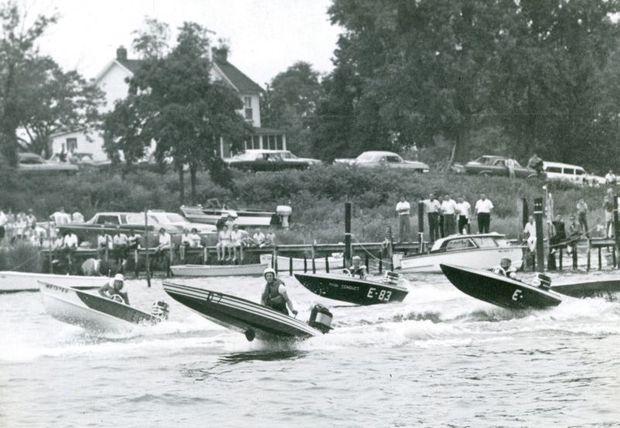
[468, 242]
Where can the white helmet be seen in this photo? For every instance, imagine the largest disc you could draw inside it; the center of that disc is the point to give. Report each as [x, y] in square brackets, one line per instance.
[270, 270]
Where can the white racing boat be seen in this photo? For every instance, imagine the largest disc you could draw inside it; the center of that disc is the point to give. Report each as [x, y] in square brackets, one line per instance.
[13, 282]
[483, 251]
[95, 312]
[218, 270]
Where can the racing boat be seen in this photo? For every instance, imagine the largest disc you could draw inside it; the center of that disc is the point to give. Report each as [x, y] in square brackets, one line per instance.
[247, 317]
[218, 270]
[481, 251]
[13, 282]
[500, 290]
[354, 290]
[95, 312]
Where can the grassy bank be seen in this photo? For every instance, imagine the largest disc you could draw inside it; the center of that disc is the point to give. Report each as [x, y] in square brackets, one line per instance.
[317, 196]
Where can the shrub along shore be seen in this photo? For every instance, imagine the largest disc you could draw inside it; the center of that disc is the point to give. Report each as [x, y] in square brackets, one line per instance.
[317, 196]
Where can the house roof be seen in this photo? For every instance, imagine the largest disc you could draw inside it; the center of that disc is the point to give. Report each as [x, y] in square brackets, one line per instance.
[235, 77]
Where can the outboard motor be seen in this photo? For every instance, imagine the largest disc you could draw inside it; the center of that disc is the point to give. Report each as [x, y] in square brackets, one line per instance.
[544, 281]
[160, 310]
[320, 318]
[391, 278]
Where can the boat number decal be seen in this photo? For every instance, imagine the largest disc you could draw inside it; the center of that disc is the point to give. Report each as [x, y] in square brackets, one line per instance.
[383, 295]
[55, 287]
[518, 294]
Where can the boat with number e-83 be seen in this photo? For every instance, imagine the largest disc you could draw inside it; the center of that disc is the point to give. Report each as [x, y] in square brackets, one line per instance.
[501, 290]
[249, 318]
[94, 312]
[355, 290]
[482, 251]
[14, 282]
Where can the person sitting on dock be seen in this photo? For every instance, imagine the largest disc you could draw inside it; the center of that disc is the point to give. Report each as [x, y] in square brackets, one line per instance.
[357, 268]
[115, 289]
[275, 296]
[258, 238]
[223, 243]
[505, 268]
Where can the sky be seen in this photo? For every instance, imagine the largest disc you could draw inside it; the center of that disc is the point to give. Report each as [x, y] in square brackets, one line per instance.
[265, 36]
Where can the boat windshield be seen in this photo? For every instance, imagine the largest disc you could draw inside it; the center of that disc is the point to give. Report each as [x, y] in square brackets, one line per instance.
[460, 244]
[487, 242]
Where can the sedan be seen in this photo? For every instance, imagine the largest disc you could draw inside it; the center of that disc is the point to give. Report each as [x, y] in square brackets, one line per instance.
[382, 159]
[497, 165]
[269, 160]
[33, 163]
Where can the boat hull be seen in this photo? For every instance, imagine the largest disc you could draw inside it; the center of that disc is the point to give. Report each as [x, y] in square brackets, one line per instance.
[588, 288]
[238, 314]
[14, 282]
[218, 270]
[499, 290]
[90, 311]
[484, 258]
[352, 290]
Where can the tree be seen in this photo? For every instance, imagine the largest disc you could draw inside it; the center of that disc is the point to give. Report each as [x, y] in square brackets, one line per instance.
[290, 102]
[17, 53]
[174, 103]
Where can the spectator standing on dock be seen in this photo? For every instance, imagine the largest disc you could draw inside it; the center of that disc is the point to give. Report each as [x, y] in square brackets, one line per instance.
[31, 220]
[529, 234]
[440, 217]
[608, 206]
[610, 178]
[120, 245]
[448, 213]
[61, 217]
[432, 206]
[403, 210]
[582, 217]
[483, 213]
[3, 221]
[463, 209]
[77, 217]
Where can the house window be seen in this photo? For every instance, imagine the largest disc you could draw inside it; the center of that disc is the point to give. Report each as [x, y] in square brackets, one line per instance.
[71, 144]
[247, 110]
[279, 145]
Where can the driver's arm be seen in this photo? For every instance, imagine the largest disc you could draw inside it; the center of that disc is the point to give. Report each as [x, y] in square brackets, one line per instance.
[289, 302]
[104, 291]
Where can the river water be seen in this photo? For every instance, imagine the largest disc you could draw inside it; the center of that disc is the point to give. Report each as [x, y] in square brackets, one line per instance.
[440, 358]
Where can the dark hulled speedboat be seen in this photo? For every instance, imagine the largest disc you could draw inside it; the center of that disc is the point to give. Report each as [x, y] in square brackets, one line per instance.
[247, 317]
[500, 290]
[352, 290]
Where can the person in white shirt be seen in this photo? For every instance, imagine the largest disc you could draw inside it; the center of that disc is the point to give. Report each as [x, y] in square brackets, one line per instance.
[483, 212]
[258, 238]
[77, 217]
[3, 221]
[165, 241]
[462, 209]
[403, 210]
[70, 241]
[432, 207]
[223, 243]
[610, 177]
[235, 242]
[61, 217]
[448, 212]
[120, 243]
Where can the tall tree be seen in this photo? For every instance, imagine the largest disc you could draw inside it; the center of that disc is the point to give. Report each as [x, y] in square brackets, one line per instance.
[17, 52]
[174, 103]
[290, 103]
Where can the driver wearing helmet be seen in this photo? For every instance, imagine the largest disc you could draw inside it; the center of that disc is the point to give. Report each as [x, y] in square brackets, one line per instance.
[115, 289]
[275, 296]
[357, 268]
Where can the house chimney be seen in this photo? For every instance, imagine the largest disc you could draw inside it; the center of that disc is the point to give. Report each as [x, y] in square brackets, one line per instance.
[121, 54]
[220, 54]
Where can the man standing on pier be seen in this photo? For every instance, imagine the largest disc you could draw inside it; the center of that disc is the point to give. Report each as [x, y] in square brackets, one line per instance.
[404, 222]
[432, 211]
[462, 209]
[483, 212]
[448, 213]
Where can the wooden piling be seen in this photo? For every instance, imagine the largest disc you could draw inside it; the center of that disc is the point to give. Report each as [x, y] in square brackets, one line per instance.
[146, 246]
[347, 235]
[540, 244]
[616, 227]
[421, 222]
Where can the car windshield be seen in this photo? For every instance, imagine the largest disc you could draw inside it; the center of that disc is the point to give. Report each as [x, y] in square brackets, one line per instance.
[247, 156]
[366, 157]
[287, 155]
[483, 160]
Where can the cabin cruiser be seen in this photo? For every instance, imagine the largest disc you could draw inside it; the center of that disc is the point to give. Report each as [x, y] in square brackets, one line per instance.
[481, 251]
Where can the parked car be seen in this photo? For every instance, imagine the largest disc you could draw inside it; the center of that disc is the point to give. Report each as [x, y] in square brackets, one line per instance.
[171, 222]
[496, 165]
[80, 159]
[557, 171]
[269, 160]
[383, 159]
[33, 163]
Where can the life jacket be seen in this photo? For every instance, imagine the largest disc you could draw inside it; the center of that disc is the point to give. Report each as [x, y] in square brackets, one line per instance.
[359, 271]
[273, 299]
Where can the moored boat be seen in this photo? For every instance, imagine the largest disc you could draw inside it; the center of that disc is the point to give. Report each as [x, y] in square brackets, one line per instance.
[218, 270]
[247, 317]
[13, 282]
[353, 290]
[500, 290]
[92, 311]
[243, 218]
[482, 251]
[590, 288]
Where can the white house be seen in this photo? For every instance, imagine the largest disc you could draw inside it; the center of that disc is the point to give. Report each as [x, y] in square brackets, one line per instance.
[113, 81]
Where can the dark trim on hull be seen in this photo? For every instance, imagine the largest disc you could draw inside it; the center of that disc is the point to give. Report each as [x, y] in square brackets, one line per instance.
[351, 290]
[498, 290]
[588, 289]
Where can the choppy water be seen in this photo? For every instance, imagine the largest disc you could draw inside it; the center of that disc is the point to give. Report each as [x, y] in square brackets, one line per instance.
[439, 358]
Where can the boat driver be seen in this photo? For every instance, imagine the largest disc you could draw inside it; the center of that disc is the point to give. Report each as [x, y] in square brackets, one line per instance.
[357, 268]
[115, 289]
[505, 268]
[275, 296]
